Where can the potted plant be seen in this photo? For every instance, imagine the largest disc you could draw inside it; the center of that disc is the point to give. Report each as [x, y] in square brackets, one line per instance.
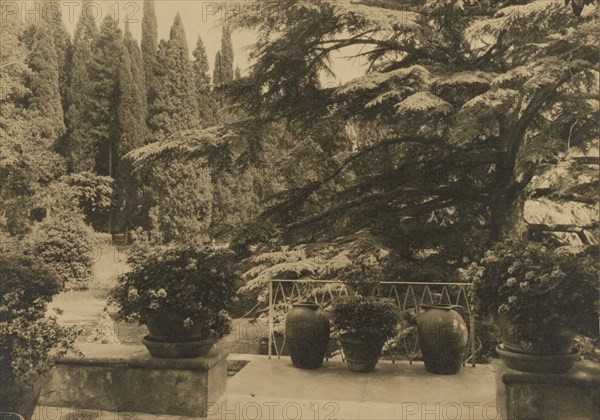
[182, 295]
[540, 298]
[29, 338]
[362, 320]
[364, 324]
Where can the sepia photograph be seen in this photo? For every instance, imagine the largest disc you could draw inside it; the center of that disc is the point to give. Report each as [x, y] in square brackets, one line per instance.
[300, 210]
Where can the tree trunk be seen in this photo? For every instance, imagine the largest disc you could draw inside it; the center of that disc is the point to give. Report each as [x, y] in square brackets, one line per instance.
[507, 216]
[110, 174]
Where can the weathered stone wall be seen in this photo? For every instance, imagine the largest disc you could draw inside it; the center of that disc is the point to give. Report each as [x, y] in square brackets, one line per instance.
[125, 378]
[527, 396]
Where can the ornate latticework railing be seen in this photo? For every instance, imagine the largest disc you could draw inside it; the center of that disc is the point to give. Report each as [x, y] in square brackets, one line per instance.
[408, 296]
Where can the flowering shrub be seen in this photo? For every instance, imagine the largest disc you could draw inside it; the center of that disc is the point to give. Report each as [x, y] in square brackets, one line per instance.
[197, 285]
[537, 289]
[28, 338]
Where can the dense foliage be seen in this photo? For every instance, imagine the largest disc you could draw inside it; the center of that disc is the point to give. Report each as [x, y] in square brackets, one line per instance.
[43, 98]
[67, 245]
[433, 149]
[537, 289]
[223, 69]
[368, 318]
[116, 97]
[206, 105]
[183, 203]
[362, 276]
[78, 151]
[174, 107]
[361, 314]
[29, 339]
[149, 46]
[196, 284]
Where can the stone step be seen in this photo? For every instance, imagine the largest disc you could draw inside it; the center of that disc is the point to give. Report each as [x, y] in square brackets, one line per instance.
[274, 389]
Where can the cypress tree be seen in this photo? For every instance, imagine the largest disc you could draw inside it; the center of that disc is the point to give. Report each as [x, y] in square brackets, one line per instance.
[217, 71]
[149, 47]
[223, 71]
[200, 66]
[105, 74]
[130, 120]
[62, 46]
[79, 149]
[177, 35]
[132, 129]
[202, 83]
[175, 105]
[238, 73]
[138, 75]
[226, 56]
[44, 99]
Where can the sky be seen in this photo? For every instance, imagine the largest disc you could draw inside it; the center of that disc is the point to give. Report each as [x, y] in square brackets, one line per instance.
[200, 17]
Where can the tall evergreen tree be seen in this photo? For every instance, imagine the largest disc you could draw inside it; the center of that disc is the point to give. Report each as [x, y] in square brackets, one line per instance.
[217, 71]
[175, 105]
[149, 46]
[131, 120]
[202, 83]
[177, 35]
[138, 74]
[44, 99]
[79, 147]
[226, 56]
[63, 47]
[223, 71]
[132, 129]
[26, 162]
[104, 78]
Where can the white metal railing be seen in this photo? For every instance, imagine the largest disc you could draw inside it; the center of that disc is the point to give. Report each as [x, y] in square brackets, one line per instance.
[409, 296]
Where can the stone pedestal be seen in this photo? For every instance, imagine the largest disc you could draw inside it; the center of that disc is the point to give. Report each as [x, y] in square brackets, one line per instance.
[124, 378]
[533, 396]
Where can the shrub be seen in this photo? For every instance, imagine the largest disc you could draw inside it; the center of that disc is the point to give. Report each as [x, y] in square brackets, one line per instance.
[182, 210]
[537, 289]
[366, 318]
[196, 284]
[29, 339]
[66, 244]
[141, 247]
[361, 315]
[95, 194]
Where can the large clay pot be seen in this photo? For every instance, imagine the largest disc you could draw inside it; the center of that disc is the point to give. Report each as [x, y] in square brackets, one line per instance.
[307, 335]
[170, 339]
[170, 328]
[361, 355]
[551, 351]
[550, 342]
[443, 338]
[538, 363]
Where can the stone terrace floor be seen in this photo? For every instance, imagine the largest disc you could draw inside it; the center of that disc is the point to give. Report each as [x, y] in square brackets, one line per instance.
[273, 389]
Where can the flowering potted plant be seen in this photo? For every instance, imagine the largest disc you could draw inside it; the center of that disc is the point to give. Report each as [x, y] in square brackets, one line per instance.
[363, 321]
[540, 298]
[182, 295]
[29, 339]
